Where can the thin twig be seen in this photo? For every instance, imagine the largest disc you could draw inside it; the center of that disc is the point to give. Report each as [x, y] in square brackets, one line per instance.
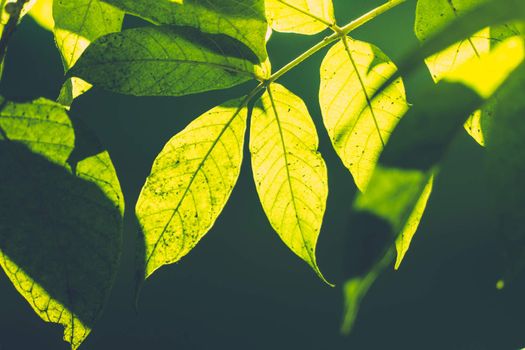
[339, 32]
[14, 10]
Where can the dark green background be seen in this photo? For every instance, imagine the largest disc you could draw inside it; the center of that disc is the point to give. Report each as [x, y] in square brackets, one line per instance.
[241, 288]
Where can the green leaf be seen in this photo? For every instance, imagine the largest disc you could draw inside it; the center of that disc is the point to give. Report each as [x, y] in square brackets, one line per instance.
[412, 222]
[165, 61]
[358, 126]
[241, 20]
[389, 211]
[60, 222]
[77, 24]
[506, 171]
[490, 13]
[300, 16]
[290, 174]
[190, 183]
[431, 16]
[42, 13]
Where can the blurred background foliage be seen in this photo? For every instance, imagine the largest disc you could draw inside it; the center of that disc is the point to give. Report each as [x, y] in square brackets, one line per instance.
[241, 288]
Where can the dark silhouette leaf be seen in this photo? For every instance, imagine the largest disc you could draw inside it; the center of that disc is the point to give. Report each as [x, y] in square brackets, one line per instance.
[60, 223]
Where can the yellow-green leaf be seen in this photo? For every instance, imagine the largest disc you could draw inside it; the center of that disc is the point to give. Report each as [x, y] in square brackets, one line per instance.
[77, 24]
[42, 13]
[358, 126]
[433, 15]
[60, 248]
[190, 183]
[290, 174]
[404, 239]
[300, 16]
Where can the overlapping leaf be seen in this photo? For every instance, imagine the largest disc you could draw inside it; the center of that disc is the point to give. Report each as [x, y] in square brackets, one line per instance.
[5, 16]
[190, 183]
[490, 13]
[166, 61]
[60, 228]
[392, 206]
[506, 171]
[77, 24]
[358, 126]
[431, 16]
[42, 13]
[290, 174]
[242, 20]
[396, 197]
[300, 16]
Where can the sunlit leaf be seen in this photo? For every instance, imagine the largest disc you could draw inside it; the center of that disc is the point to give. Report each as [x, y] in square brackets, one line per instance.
[60, 221]
[489, 14]
[242, 20]
[433, 15]
[190, 183]
[290, 174]
[77, 24]
[300, 16]
[165, 61]
[358, 126]
[485, 74]
[42, 13]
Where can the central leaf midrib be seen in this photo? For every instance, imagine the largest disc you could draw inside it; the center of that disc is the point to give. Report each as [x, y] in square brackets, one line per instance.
[288, 177]
[173, 60]
[363, 87]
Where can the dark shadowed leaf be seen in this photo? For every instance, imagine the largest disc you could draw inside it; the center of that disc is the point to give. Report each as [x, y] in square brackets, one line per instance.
[506, 170]
[165, 61]
[60, 221]
[391, 208]
[242, 20]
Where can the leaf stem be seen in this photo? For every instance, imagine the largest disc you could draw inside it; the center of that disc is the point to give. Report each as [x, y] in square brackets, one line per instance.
[15, 12]
[339, 32]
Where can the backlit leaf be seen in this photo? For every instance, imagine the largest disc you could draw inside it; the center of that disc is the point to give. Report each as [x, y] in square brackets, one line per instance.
[490, 13]
[190, 183]
[358, 126]
[431, 16]
[290, 174]
[77, 24]
[42, 13]
[60, 223]
[300, 16]
[165, 61]
[242, 20]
